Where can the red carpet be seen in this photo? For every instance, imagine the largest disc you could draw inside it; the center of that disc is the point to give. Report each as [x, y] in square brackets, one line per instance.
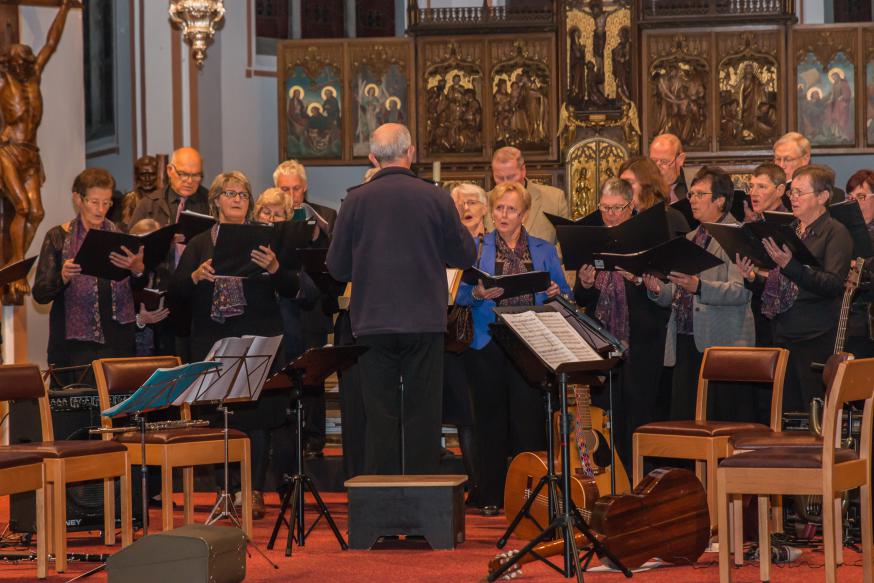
[321, 560]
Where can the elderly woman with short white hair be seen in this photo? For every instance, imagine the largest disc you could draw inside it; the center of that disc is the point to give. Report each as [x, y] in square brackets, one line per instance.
[472, 204]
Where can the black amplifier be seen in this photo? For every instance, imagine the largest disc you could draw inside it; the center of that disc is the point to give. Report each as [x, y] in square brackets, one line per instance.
[74, 412]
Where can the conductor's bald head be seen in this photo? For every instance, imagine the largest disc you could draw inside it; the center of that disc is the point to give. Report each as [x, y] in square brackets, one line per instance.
[392, 145]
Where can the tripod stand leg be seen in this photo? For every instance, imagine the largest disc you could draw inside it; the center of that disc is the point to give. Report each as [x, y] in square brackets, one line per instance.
[524, 512]
[571, 553]
[323, 509]
[281, 518]
[529, 548]
[293, 522]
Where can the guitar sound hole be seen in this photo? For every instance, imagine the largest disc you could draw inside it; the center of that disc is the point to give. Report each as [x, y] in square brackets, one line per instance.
[603, 456]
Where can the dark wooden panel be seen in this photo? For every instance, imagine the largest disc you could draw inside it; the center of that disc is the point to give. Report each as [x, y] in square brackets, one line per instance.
[323, 19]
[271, 18]
[374, 18]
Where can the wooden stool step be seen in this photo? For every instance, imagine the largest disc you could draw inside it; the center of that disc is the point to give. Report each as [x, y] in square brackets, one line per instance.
[420, 505]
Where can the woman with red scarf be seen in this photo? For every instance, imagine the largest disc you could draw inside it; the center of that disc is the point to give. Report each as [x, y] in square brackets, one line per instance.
[90, 317]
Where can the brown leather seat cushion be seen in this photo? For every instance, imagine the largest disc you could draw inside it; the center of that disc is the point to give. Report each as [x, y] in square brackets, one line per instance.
[699, 428]
[9, 458]
[183, 435]
[763, 439]
[65, 449]
[785, 457]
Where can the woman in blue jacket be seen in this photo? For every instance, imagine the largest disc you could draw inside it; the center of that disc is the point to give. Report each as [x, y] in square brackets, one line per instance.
[508, 412]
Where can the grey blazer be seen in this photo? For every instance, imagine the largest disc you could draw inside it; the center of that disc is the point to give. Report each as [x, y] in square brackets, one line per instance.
[721, 315]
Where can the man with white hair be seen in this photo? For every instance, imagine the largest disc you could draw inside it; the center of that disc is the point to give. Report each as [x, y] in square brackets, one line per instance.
[666, 150]
[791, 152]
[393, 239]
[291, 177]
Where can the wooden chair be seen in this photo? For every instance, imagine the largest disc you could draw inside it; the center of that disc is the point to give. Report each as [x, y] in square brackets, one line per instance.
[67, 462]
[827, 471]
[705, 441]
[24, 472]
[172, 448]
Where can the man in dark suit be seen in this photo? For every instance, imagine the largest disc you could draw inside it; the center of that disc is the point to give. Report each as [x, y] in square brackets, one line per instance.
[307, 318]
[394, 237]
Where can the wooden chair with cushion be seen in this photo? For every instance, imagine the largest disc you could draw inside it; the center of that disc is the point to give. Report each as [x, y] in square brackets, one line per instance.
[24, 472]
[172, 448]
[67, 462]
[705, 441]
[827, 471]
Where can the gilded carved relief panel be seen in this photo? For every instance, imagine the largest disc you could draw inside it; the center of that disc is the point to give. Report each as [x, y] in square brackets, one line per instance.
[749, 76]
[589, 163]
[521, 94]
[825, 85]
[678, 83]
[451, 98]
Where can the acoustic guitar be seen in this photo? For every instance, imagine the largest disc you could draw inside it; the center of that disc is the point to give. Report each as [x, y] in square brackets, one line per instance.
[524, 473]
[665, 517]
[590, 428]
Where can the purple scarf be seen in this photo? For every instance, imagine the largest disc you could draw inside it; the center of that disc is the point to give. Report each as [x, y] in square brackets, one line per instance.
[514, 261]
[612, 308]
[780, 293]
[81, 298]
[683, 299]
[228, 299]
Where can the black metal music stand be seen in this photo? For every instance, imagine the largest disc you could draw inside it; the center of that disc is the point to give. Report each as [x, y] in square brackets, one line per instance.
[309, 370]
[567, 518]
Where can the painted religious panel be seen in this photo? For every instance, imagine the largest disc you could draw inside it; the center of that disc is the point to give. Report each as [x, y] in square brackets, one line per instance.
[678, 88]
[868, 36]
[825, 81]
[749, 90]
[521, 94]
[451, 98]
[311, 111]
[380, 87]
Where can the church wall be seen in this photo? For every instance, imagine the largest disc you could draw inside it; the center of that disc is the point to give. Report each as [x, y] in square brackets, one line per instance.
[61, 140]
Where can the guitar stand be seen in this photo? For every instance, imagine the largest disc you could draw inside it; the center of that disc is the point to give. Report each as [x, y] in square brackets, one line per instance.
[548, 481]
[294, 495]
[567, 519]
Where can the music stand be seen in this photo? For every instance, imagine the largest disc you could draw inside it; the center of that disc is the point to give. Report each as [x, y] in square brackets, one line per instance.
[159, 391]
[309, 370]
[535, 368]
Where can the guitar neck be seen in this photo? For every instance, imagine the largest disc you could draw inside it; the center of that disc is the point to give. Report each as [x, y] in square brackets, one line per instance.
[850, 286]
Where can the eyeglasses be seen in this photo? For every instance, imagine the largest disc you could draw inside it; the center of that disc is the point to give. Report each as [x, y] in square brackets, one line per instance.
[859, 197]
[467, 203]
[785, 159]
[665, 163]
[699, 195]
[502, 209]
[795, 193]
[614, 209]
[187, 175]
[98, 203]
[269, 214]
[234, 194]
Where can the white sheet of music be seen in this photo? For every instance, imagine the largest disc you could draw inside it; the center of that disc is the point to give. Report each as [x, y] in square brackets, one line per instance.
[452, 275]
[552, 338]
[216, 385]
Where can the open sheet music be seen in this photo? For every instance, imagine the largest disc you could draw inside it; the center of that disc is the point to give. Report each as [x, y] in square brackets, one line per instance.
[551, 337]
[246, 363]
[161, 389]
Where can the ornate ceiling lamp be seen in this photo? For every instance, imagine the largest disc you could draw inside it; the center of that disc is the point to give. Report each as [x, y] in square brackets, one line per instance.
[198, 19]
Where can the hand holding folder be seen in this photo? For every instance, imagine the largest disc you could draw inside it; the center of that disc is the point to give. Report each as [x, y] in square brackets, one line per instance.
[105, 253]
[679, 255]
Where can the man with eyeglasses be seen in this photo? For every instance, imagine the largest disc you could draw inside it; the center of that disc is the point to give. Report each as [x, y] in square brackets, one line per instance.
[804, 302]
[666, 150]
[184, 191]
[791, 152]
[509, 166]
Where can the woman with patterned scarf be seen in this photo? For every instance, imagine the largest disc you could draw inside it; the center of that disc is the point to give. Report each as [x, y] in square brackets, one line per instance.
[224, 306]
[619, 301]
[508, 412]
[90, 317]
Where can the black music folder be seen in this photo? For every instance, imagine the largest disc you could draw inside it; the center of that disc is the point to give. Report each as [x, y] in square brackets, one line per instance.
[590, 220]
[850, 215]
[746, 241]
[784, 218]
[645, 230]
[513, 285]
[312, 261]
[737, 204]
[291, 236]
[191, 223]
[234, 245]
[16, 271]
[679, 254]
[93, 255]
[151, 298]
